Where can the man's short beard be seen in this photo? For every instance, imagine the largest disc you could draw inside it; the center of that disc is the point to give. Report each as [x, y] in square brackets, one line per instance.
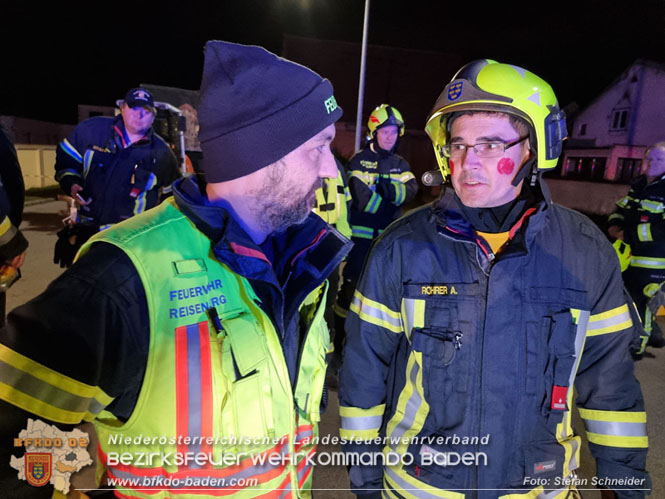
[275, 206]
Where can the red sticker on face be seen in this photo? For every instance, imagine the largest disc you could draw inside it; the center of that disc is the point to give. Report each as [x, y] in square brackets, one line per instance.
[452, 166]
[506, 166]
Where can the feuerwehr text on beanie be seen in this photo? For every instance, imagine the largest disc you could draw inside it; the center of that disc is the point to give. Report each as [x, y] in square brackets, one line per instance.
[256, 107]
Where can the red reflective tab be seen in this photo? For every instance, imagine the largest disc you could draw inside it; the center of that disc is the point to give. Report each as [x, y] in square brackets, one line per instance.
[134, 192]
[644, 218]
[559, 396]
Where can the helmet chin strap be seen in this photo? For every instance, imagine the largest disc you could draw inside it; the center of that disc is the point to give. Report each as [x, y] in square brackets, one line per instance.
[529, 166]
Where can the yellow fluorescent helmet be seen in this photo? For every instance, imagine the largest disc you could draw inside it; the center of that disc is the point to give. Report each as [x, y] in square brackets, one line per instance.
[385, 115]
[487, 85]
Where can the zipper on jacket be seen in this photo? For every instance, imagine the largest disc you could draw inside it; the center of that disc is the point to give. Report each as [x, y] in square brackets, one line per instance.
[480, 370]
[301, 338]
[491, 258]
[454, 337]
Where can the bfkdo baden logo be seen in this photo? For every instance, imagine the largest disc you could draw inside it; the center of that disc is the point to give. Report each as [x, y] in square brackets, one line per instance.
[37, 468]
[51, 455]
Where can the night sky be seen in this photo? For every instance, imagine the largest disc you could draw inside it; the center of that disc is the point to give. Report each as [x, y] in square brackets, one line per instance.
[59, 54]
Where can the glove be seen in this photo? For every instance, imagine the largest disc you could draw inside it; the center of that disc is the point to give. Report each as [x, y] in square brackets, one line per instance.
[14, 247]
[70, 240]
[385, 189]
[623, 252]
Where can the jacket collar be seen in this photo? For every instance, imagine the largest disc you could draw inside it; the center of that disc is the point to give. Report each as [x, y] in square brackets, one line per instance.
[312, 247]
[449, 217]
[121, 137]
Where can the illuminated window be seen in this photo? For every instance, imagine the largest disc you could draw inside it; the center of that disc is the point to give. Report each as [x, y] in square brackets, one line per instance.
[585, 168]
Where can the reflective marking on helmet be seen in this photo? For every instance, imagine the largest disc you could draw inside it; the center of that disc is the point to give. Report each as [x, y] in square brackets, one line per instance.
[535, 98]
[506, 166]
[374, 119]
[520, 70]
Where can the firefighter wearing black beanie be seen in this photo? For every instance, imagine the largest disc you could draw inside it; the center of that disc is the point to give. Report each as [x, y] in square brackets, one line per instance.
[257, 107]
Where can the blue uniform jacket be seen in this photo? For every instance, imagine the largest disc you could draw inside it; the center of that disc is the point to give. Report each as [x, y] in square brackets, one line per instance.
[380, 183]
[452, 350]
[122, 180]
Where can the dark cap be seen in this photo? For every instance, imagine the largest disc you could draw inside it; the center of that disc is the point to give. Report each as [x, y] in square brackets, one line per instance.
[256, 107]
[139, 97]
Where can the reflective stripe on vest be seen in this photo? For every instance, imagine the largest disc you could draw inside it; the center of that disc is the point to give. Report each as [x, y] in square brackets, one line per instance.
[140, 203]
[647, 262]
[87, 160]
[564, 430]
[652, 206]
[616, 428]
[193, 385]
[644, 232]
[362, 232]
[411, 404]
[373, 204]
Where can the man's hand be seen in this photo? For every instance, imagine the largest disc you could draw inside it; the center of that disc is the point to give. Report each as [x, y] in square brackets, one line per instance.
[17, 261]
[74, 192]
[616, 232]
[384, 187]
[70, 240]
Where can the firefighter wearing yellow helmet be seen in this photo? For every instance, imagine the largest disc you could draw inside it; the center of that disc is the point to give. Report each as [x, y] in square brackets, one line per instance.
[478, 316]
[380, 182]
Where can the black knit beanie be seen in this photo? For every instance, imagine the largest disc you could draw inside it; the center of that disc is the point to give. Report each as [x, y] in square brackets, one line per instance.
[256, 107]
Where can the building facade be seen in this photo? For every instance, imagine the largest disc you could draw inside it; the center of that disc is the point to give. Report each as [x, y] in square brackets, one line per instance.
[608, 138]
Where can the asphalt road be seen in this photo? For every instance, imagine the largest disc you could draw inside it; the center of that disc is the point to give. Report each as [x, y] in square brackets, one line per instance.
[42, 221]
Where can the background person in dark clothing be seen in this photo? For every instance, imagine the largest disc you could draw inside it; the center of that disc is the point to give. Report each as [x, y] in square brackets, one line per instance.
[115, 167]
[12, 242]
[639, 221]
[380, 182]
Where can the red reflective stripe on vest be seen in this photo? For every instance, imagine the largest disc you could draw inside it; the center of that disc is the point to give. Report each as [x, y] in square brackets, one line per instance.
[308, 428]
[206, 389]
[193, 386]
[300, 442]
[305, 464]
[182, 398]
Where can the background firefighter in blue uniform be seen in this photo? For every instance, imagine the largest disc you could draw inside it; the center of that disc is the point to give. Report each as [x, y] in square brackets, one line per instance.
[639, 221]
[115, 168]
[476, 316]
[380, 182]
[197, 326]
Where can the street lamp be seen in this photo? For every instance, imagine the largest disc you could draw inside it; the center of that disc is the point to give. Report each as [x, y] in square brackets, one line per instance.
[361, 83]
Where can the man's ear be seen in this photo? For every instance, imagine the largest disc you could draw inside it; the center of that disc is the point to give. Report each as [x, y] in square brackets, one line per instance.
[526, 147]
